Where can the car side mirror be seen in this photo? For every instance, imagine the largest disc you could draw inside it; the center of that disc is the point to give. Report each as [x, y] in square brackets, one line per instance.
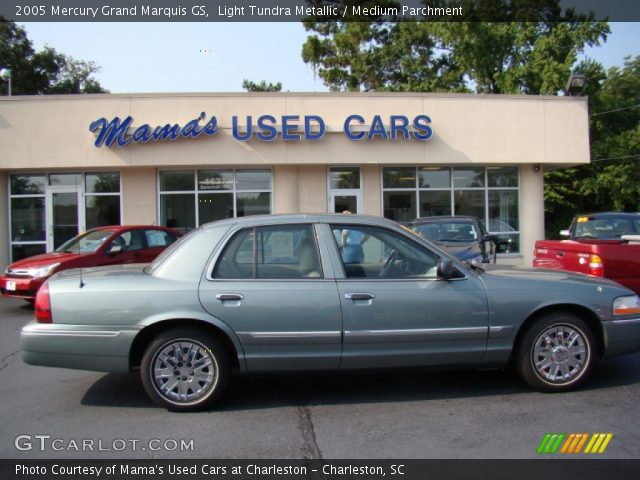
[565, 233]
[114, 250]
[490, 238]
[445, 268]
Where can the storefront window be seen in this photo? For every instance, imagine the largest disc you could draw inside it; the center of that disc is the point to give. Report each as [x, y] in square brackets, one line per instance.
[344, 178]
[34, 231]
[190, 198]
[489, 193]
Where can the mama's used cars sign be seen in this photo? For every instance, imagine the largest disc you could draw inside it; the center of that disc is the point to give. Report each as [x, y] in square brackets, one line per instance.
[266, 128]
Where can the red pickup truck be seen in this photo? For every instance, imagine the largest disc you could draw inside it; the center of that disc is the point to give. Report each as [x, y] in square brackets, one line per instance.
[601, 244]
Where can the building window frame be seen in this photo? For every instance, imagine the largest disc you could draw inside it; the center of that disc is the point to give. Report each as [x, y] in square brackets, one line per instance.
[80, 188]
[416, 190]
[197, 193]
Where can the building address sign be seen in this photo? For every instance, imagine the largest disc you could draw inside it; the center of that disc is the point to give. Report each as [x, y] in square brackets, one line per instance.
[266, 128]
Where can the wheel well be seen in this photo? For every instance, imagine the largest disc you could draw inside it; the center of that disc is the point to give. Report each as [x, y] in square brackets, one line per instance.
[147, 335]
[582, 312]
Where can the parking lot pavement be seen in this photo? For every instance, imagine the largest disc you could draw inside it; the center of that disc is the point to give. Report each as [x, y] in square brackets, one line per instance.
[406, 414]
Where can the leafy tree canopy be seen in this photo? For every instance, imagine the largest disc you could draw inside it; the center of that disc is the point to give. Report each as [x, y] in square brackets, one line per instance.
[531, 52]
[46, 71]
[263, 86]
[612, 180]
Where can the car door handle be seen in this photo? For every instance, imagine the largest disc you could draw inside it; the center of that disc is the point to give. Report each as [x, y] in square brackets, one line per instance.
[560, 253]
[229, 296]
[359, 296]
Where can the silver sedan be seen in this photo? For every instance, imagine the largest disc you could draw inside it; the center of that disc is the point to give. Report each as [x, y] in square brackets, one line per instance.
[321, 293]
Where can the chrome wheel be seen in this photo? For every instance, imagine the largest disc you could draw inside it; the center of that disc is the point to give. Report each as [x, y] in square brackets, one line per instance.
[560, 354]
[184, 371]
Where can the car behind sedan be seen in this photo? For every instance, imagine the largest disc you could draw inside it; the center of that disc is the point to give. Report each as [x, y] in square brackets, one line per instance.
[278, 293]
[112, 245]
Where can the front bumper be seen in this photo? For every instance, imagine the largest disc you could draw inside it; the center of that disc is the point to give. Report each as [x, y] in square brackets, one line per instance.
[622, 336]
[80, 347]
[20, 287]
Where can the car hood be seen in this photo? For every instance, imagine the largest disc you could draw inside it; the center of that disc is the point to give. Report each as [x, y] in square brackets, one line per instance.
[508, 273]
[44, 259]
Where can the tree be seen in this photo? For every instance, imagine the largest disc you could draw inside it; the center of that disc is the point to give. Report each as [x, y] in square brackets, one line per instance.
[612, 180]
[531, 51]
[263, 86]
[46, 71]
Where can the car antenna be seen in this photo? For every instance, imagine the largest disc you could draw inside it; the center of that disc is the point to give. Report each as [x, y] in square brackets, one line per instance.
[81, 281]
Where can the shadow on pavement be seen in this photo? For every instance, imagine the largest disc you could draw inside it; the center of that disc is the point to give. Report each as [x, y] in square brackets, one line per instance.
[273, 391]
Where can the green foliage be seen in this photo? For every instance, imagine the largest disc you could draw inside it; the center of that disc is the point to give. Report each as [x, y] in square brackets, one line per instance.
[263, 86]
[45, 71]
[531, 52]
[612, 180]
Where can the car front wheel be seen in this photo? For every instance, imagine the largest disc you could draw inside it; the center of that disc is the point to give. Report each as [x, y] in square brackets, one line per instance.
[556, 352]
[184, 370]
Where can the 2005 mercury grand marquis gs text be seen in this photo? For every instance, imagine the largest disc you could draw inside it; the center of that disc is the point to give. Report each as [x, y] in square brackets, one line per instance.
[321, 292]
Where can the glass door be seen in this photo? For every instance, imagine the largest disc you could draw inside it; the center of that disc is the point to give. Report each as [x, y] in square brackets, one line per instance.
[345, 193]
[63, 215]
[345, 200]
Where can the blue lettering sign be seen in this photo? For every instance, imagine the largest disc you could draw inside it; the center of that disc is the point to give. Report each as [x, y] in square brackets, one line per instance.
[423, 131]
[248, 133]
[322, 128]
[118, 131]
[347, 127]
[288, 128]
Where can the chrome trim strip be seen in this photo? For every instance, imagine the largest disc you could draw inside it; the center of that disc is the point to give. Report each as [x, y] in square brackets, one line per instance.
[626, 321]
[289, 334]
[72, 333]
[416, 331]
[496, 329]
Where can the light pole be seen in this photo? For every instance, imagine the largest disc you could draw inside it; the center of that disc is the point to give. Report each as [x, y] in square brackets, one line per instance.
[5, 74]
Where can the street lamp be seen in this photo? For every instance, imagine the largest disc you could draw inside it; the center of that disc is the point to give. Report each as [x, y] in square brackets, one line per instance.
[576, 85]
[5, 74]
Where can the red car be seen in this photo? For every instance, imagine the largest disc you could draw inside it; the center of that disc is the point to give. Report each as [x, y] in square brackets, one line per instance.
[98, 247]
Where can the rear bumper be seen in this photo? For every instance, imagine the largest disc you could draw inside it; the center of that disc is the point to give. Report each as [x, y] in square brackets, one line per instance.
[622, 336]
[14, 287]
[79, 347]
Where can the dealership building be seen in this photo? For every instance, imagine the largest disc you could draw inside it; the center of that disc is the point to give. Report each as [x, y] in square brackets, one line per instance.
[72, 162]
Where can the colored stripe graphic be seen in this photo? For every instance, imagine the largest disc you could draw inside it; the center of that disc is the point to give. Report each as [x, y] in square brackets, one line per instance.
[573, 443]
[550, 443]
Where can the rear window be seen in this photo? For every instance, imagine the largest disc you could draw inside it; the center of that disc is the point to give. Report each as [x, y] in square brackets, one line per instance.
[608, 228]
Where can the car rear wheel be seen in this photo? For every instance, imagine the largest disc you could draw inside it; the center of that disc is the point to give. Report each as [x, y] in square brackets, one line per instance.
[184, 370]
[556, 352]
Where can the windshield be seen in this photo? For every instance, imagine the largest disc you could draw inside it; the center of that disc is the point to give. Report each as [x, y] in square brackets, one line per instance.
[609, 228]
[449, 231]
[86, 243]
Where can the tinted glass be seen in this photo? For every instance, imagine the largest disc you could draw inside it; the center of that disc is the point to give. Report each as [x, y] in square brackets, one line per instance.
[27, 219]
[176, 181]
[159, 238]
[253, 203]
[20, 251]
[503, 210]
[102, 182]
[253, 180]
[215, 206]
[468, 177]
[435, 203]
[102, 210]
[429, 177]
[404, 177]
[65, 179]
[502, 176]
[344, 178]
[176, 211]
[400, 206]
[469, 202]
[86, 243]
[453, 231]
[27, 184]
[215, 180]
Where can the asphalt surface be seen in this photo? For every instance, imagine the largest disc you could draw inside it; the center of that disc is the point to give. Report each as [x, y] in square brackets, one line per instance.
[405, 414]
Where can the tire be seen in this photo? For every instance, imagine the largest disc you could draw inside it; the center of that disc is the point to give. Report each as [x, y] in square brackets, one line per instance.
[556, 352]
[172, 378]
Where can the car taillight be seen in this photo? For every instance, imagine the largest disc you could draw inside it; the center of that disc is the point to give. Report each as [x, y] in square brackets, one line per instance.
[43, 305]
[596, 267]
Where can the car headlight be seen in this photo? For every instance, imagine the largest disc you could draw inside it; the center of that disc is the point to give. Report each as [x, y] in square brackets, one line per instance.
[44, 271]
[626, 305]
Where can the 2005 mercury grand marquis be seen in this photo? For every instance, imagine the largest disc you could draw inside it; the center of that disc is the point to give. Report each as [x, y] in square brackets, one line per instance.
[321, 292]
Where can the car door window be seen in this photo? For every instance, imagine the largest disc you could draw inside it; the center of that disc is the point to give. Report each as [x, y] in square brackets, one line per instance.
[371, 252]
[130, 241]
[282, 252]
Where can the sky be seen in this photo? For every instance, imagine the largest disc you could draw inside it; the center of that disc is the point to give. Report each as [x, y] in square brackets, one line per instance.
[217, 57]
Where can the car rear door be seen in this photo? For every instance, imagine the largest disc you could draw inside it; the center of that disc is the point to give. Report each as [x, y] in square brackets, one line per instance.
[273, 288]
[397, 312]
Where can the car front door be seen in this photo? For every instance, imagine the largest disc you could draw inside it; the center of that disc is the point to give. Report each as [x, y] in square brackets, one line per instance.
[396, 311]
[270, 286]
